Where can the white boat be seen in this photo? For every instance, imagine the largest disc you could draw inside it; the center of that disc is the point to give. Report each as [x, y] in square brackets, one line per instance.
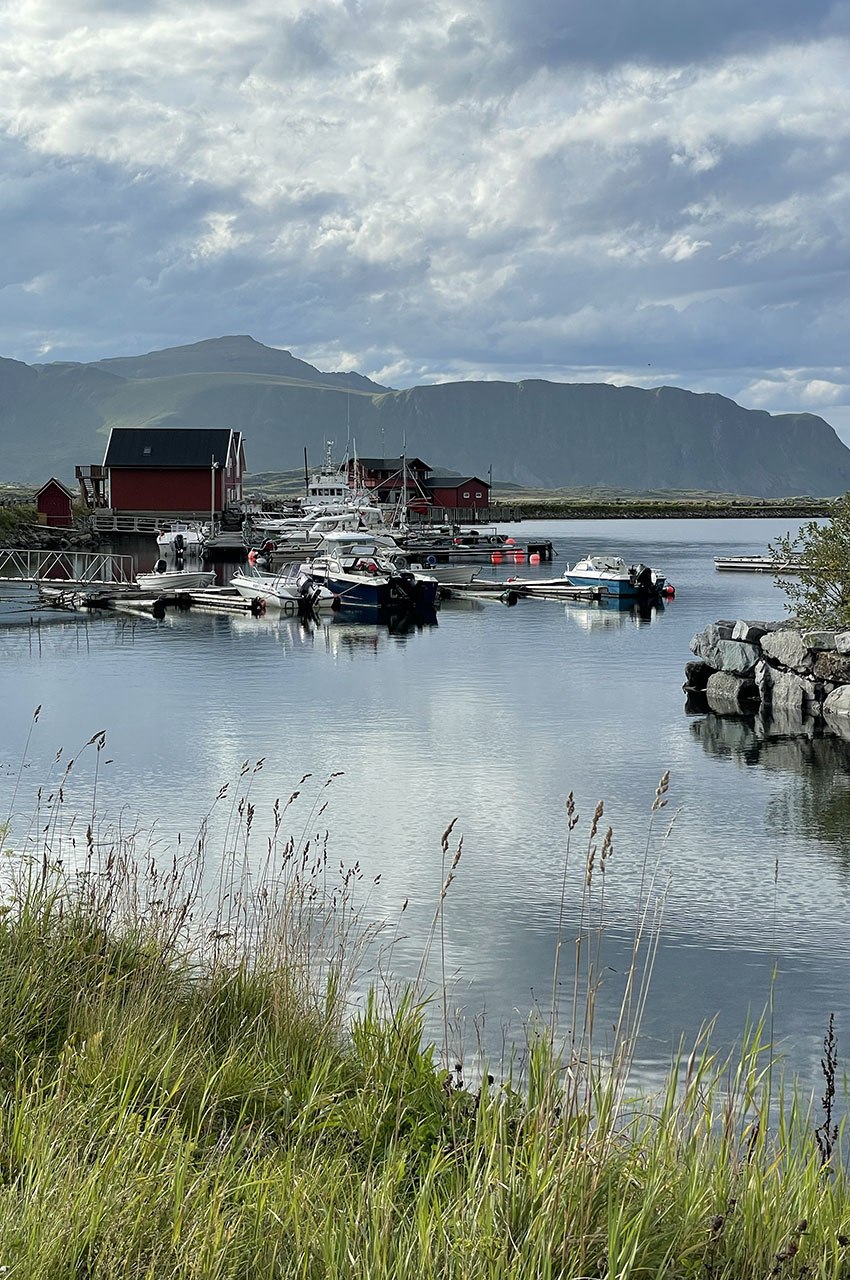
[164, 578]
[291, 589]
[180, 539]
[611, 575]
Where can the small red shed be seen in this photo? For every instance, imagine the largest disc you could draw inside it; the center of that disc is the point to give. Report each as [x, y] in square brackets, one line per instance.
[54, 503]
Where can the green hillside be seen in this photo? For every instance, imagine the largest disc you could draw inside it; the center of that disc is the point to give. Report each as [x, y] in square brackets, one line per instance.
[533, 434]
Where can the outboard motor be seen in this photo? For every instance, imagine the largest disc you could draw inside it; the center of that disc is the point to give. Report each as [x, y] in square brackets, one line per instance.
[179, 544]
[642, 577]
[160, 566]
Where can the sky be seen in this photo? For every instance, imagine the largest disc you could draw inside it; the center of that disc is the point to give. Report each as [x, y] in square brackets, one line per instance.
[642, 192]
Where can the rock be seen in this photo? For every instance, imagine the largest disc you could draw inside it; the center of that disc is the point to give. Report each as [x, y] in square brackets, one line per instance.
[787, 648]
[833, 667]
[819, 640]
[750, 632]
[842, 641]
[792, 691]
[696, 675]
[838, 702]
[730, 655]
[729, 694]
[763, 676]
[839, 725]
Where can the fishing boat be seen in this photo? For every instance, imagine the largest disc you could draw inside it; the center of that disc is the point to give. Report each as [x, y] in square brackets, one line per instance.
[167, 578]
[292, 589]
[614, 577]
[358, 571]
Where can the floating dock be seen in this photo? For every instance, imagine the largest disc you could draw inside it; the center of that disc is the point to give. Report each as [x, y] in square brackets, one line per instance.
[759, 564]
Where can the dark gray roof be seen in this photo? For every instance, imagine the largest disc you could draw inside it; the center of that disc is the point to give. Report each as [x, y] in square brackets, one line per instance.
[167, 447]
[390, 464]
[451, 481]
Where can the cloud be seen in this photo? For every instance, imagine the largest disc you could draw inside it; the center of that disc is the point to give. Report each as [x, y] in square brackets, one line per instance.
[434, 190]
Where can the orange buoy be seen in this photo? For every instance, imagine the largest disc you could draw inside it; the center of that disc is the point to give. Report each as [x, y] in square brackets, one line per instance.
[669, 591]
[534, 558]
[496, 557]
[510, 542]
[519, 556]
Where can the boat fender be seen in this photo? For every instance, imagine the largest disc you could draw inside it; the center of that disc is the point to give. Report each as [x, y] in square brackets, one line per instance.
[669, 591]
[337, 604]
[179, 542]
[252, 556]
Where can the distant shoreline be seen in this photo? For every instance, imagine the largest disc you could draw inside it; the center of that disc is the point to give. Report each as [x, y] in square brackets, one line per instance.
[659, 510]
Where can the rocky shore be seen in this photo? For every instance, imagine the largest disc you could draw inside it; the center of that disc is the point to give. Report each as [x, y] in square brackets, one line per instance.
[745, 666]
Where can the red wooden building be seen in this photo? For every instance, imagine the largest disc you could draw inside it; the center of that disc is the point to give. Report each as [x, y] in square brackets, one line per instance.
[387, 476]
[53, 502]
[457, 491]
[174, 471]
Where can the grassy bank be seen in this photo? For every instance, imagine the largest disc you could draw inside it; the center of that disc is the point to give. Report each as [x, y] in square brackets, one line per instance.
[184, 1094]
[16, 521]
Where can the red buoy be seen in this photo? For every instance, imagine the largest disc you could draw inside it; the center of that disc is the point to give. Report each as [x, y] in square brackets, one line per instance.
[534, 558]
[496, 557]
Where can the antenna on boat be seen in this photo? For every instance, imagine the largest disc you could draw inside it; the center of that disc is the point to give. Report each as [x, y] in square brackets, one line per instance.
[306, 472]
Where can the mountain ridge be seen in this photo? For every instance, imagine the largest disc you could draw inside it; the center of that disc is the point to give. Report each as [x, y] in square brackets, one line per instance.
[533, 433]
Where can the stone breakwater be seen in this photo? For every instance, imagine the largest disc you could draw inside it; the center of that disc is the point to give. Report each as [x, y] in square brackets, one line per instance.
[775, 666]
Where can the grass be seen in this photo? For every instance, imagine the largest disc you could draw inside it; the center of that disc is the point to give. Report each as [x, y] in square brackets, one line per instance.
[185, 1091]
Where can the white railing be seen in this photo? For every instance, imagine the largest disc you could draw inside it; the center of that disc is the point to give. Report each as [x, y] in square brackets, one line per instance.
[98, 567]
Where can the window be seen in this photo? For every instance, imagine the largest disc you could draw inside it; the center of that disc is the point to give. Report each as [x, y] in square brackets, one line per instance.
[466, 495]
[479, 495]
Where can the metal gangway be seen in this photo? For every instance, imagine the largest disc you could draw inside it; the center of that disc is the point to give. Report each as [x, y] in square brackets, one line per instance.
[70, 568]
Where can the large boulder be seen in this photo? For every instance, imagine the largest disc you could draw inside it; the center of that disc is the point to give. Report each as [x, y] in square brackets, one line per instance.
[842, 641]
[833, 667]
[722, 653]
[788, 689]
[837, 703]
[729, 694]
[697, 674]
[820, 640]
[787, 649]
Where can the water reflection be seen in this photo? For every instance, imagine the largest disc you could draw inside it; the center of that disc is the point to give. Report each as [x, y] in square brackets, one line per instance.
[600, 614]
[347, 631]
[817, 803]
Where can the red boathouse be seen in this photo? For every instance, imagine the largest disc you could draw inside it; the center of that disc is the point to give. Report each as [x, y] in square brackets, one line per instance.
[54, 502]
[174, 471]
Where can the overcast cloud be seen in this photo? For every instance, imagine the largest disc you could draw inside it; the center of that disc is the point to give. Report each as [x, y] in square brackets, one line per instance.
[638, 191]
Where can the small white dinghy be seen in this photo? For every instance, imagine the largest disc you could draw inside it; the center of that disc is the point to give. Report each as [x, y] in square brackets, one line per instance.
[289, 590]
[163, 578]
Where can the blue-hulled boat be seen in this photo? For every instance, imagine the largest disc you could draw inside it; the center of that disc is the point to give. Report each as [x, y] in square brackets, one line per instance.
[614, 577]
[358, 572]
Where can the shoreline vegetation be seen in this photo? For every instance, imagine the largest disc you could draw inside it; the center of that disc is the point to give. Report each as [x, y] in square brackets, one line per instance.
[186, 1091]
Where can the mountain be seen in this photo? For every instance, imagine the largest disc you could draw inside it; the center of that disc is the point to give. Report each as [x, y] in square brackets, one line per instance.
[531, 433]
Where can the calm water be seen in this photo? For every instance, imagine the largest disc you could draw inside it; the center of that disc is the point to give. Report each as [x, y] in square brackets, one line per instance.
[492, 716]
